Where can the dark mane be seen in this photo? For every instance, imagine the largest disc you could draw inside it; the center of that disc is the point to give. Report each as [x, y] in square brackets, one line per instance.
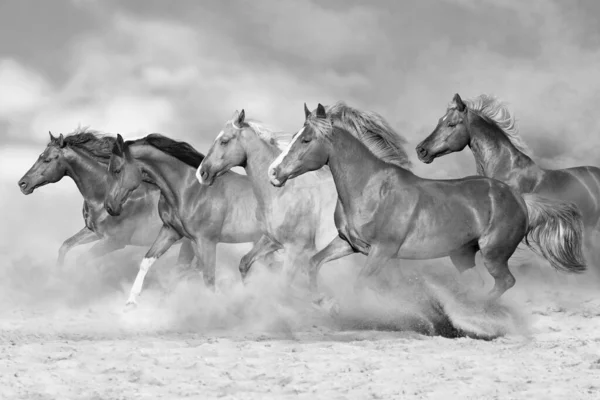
[96, 144]
[182, 151]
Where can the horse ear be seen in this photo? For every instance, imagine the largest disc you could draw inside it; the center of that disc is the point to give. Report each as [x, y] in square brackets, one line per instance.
[119, 146]
[52, 138]
[321, 111]
[61, 141]
[241, 117]
[460, 105]
[306, 111]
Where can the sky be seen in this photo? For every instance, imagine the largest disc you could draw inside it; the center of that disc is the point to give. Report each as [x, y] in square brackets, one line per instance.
[183, 67]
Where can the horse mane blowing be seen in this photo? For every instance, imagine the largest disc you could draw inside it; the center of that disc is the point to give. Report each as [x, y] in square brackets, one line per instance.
[371, 129]
[97, 144]
[495, 111]
[182, 151]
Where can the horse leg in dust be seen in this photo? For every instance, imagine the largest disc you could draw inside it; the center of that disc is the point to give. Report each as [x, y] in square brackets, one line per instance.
[337, 248]
[377, 259]
[165, 239]
[186, 253]
[206, 254]
[261, 248]
[464, 260]
[592, 250]
[100, 249]
[496, 262]
[84, 236]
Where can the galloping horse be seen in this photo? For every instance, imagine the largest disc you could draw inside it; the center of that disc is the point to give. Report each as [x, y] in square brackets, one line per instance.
[83, 155]
[294, 218]
[225, 212]
[386, 212]
[486, 125]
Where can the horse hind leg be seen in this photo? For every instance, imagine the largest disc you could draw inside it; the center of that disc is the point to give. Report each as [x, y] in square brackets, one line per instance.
[464, 260]
[495, 258]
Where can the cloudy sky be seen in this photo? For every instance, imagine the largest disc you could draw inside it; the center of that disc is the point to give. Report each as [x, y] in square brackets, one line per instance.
[182, 68]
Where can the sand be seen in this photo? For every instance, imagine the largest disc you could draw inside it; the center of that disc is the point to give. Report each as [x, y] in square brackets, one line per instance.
[66, 336]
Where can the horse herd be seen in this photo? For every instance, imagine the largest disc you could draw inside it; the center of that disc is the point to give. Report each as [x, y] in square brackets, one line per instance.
[340, 185]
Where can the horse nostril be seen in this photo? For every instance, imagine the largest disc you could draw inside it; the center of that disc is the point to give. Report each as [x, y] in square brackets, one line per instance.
[204, 174]
[109, 209]
[22, 184]
[422, 151]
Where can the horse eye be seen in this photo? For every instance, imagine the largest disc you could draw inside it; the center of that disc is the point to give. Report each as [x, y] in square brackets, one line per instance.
[452, 124]
[46, 161]
[306, 140]
[224, 142]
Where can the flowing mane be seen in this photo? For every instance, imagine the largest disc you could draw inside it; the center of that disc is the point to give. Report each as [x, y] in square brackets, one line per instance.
[278, 138]
[496, 111]
[281, 140]
[182, 151]
[370, 128]
[97, 144]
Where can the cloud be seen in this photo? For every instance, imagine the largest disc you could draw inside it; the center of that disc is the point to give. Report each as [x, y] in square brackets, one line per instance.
[23, 90]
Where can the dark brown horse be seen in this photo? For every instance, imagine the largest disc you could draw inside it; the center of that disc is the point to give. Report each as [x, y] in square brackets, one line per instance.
[486, 125]
[83, 156]
[225, 212]
[386, 212]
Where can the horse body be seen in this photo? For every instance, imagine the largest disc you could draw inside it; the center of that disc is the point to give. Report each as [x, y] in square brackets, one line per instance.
[298, 218]
[388, 208]
[225, 212]
[386, 212]
[486, 126]
[84, 157]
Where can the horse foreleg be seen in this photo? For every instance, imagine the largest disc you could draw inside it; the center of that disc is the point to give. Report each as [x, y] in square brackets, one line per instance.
[377, 259]
[165, 239]
[100, 249]
[84, 236]
[261, 248]
[337, 248]
[186, 253]
[206, 254]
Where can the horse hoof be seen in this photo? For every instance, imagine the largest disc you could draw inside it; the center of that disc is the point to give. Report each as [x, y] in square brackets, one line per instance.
[327, 304]
[130, 306]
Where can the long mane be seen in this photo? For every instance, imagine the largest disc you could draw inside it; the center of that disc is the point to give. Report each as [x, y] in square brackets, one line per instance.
[278, 138]
[97, 144]
[495, 111]
[370, 128]
[182, 151]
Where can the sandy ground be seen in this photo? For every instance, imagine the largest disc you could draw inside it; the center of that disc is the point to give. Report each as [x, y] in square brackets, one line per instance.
[66, 336]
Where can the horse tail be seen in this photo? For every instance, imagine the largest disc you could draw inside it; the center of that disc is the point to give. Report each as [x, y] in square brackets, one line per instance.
[555, 232]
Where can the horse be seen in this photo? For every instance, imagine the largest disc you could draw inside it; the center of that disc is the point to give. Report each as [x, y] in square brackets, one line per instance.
[294, 218]
[83, 156]
[386, 212]
[487, 126]
[222, 213]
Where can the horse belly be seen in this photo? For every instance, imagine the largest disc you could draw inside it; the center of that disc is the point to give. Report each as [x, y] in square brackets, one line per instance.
[438, 236]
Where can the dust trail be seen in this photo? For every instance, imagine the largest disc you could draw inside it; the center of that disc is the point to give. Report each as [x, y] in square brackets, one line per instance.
[88, 301]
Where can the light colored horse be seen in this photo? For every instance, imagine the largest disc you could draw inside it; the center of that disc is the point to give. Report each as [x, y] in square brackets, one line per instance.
[297, 218]
[83, 156]
[223, 213]
[487, 126]
[386, 212]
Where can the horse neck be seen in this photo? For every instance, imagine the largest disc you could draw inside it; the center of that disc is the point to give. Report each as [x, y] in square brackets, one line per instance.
[352, 166]
[259, 155]
[88, 174]
[169, 174]
[495, 155]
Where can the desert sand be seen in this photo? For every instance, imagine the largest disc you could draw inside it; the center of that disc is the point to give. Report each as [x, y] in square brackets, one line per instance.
[65, 335]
